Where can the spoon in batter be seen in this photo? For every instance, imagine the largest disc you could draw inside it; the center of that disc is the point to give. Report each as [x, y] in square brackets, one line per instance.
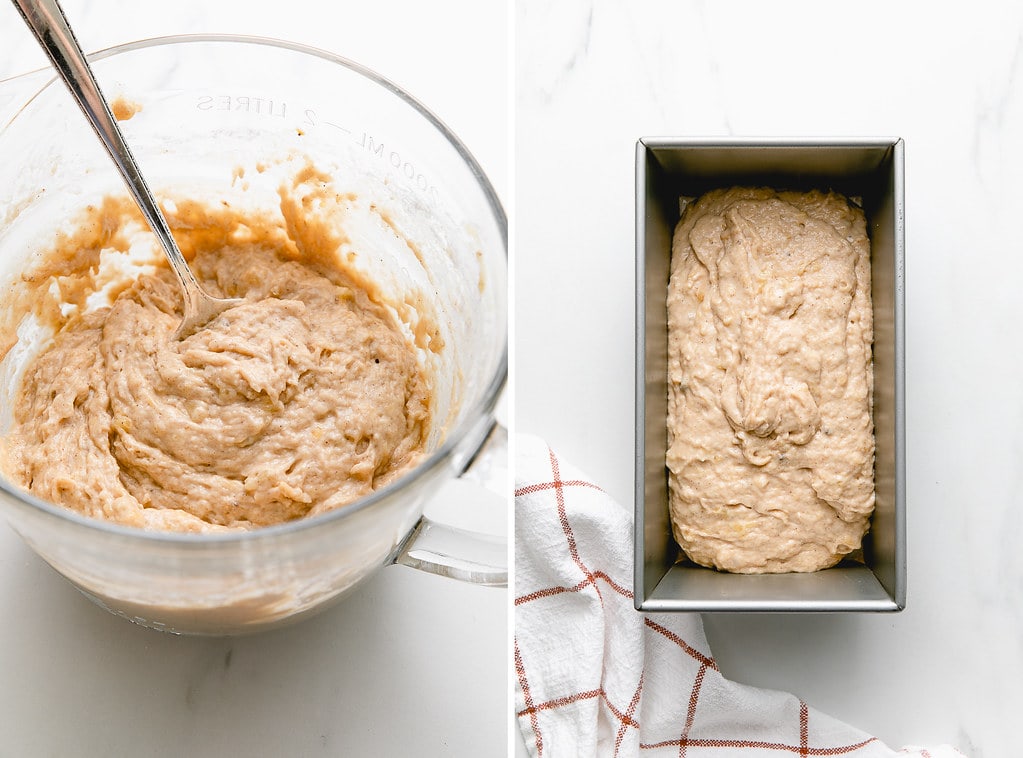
[52, 31]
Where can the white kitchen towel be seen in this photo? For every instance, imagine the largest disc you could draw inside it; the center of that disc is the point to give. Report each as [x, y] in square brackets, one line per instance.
[596, 678]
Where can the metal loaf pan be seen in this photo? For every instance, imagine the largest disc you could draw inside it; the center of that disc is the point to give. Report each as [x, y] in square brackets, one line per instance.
[870, 169]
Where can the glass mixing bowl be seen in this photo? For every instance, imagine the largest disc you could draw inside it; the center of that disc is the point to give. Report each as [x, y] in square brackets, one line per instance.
[227, 118]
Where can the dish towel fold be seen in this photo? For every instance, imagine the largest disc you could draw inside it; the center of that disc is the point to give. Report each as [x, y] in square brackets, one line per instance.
[596, 678]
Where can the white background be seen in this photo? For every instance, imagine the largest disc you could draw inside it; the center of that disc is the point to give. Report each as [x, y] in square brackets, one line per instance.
[413, 665]
[593, 76]
[409, 665]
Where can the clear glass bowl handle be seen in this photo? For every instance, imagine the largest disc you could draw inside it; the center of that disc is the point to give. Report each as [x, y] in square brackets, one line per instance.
[458, 553]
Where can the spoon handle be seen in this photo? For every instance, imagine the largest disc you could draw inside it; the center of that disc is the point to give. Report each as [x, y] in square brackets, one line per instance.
[47, 22]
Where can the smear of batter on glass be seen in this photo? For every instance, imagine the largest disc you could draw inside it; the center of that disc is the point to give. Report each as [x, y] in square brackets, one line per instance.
[123, 109]
[304, 398]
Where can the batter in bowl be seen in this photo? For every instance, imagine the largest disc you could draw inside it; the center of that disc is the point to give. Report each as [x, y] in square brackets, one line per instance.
[771, 445]
[302, 399]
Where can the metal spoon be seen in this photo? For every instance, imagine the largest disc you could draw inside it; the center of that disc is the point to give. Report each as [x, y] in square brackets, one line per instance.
[47, 22]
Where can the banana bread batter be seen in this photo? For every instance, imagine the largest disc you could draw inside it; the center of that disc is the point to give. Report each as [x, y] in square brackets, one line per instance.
[771, 444]
[302, 399]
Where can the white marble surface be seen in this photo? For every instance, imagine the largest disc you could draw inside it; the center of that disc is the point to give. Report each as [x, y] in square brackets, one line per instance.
[592, 77]
[410, 664]
[414, 665]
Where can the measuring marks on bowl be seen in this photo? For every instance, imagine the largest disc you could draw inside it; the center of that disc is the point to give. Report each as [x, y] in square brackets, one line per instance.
[303, 118]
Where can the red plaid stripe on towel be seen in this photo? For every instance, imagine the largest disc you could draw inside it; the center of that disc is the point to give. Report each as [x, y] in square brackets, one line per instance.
[597, 678]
